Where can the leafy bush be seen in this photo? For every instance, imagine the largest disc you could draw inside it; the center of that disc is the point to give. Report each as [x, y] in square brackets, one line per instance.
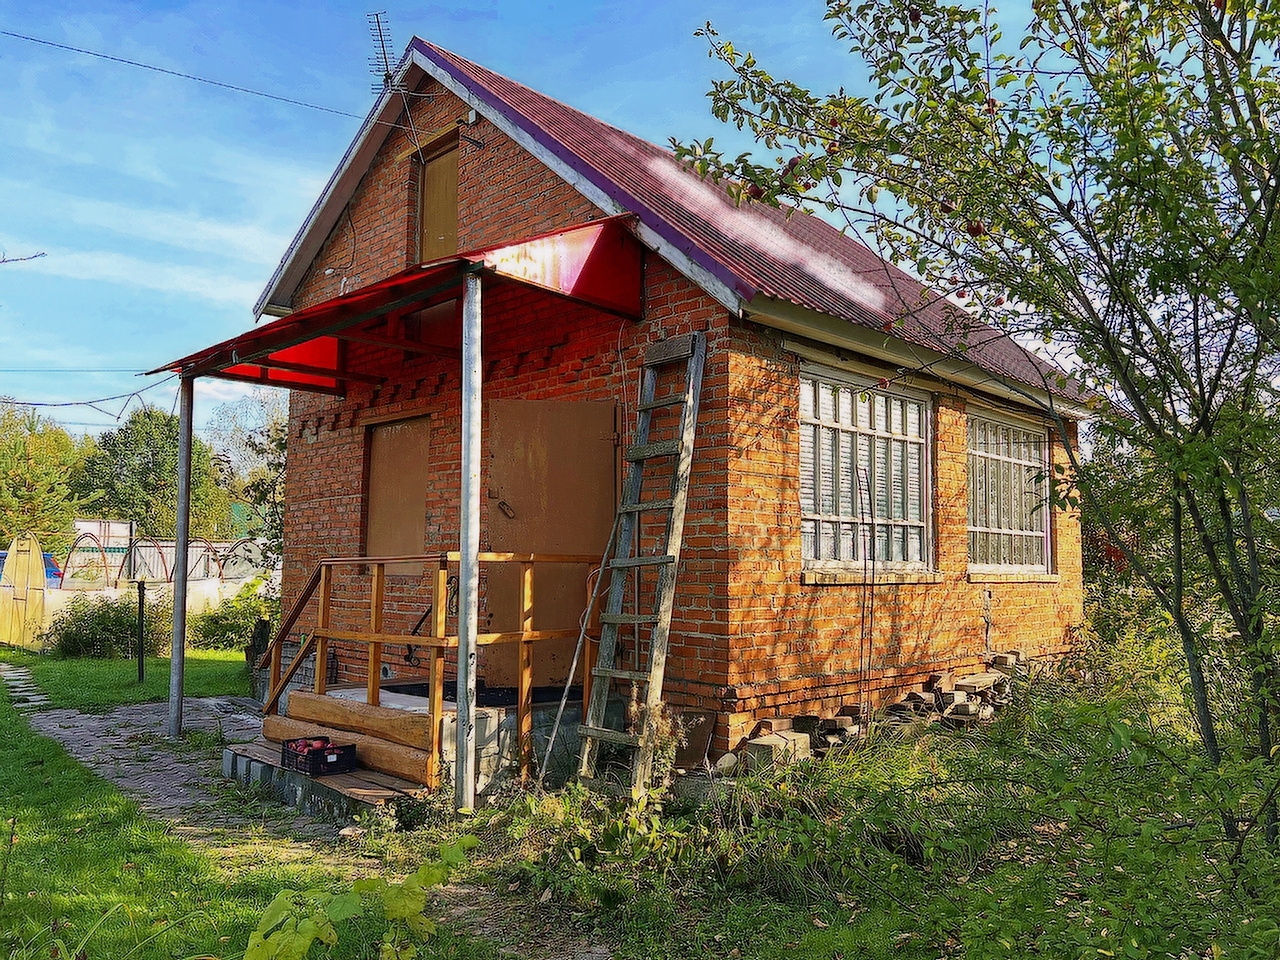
[229, 625]
[107, 628]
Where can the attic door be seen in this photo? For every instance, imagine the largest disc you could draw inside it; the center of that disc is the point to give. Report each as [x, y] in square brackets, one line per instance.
[438, 223]
[552, 489]
[396, 494]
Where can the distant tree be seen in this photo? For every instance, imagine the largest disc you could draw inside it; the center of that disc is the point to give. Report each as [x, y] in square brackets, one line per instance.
[1106, 179]
[38, 464]
[136, 468]
[248, 440]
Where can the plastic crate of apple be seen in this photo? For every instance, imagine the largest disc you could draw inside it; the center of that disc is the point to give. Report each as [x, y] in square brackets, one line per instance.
[317, 756]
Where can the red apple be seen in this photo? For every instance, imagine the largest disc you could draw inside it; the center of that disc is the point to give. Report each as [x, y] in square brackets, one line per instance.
[975, 228]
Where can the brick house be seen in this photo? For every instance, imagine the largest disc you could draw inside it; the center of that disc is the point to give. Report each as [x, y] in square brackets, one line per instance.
[828, 372]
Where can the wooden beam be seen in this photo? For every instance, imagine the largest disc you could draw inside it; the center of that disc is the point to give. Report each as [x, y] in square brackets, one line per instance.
[399, 726]
[372, 752]
[273, 698]
[524, 695]
[334, 391]
[322, 625]
[397, 343]
[440, 607]
[315, 371]
[377, 588]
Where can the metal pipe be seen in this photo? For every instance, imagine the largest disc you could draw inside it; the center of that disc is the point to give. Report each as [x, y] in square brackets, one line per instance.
[177, 654]
[142, 629]
[464, 784]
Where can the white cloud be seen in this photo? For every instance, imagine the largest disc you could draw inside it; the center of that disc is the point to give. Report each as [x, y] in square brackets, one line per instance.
[186, 230]
[109, 267]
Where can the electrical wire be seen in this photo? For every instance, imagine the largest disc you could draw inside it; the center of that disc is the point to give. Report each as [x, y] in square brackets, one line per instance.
[184, 76]
[127, 397]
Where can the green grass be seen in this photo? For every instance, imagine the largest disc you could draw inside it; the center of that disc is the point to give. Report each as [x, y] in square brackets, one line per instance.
[94, 686]
[85, 854]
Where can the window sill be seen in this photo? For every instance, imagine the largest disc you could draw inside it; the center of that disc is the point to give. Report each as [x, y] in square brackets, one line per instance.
[861, 577]
[1012, 576]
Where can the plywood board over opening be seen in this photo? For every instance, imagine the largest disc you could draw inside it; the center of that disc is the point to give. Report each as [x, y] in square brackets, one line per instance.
[396, 522]
[552, 489]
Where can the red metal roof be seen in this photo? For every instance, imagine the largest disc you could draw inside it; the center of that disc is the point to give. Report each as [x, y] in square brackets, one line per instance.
[596, 263]
[755, 249]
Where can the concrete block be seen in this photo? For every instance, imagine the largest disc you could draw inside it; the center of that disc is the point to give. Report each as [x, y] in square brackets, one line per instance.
[834, 724]
[807, 724]
[775, 749]
[228, 764]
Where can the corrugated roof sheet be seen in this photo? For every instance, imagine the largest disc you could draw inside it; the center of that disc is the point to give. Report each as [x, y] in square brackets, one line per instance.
[754, 248]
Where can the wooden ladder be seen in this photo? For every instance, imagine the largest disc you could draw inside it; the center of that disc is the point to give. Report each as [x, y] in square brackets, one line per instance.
[648, 604]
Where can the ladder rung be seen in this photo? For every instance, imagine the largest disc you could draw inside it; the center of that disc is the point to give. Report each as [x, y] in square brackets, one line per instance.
[647, 451]
[613, 736]
[657, 403]
[646, 505]
[670, 350]
[616, 673]
[617, 563]
[621, 618]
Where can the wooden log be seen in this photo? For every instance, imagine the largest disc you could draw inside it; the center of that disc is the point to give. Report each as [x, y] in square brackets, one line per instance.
[398, 726]
[524, 694]
[372, 752]
[377, 590]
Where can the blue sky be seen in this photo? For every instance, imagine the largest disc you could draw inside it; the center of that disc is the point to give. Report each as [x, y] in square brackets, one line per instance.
[163, 205]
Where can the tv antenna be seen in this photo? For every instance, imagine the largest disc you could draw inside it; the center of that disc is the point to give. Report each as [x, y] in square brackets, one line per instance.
[380, 64]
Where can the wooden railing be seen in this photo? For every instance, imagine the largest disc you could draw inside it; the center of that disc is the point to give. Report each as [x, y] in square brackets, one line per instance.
[438, 641]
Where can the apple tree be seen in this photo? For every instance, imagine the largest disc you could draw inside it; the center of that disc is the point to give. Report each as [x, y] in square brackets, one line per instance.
[1103, 180]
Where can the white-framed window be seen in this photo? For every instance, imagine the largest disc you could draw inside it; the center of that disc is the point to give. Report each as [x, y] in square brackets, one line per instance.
[1008, 494]
[864, 474]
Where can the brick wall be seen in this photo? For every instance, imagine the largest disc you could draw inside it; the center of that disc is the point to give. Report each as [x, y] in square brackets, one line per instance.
[749, 639]
[798, 647]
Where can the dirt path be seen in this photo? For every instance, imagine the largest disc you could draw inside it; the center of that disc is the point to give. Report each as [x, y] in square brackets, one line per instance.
[180, 783]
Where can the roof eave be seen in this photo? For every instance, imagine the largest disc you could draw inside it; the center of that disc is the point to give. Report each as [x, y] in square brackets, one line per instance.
[276, 299]
[845, 334]
[731, 291]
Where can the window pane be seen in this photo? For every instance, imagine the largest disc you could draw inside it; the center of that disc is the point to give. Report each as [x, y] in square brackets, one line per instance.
[915, 489]
[846, 406]
[806, 398]
[808, 539]
[915, 545]
[808, 467]
[846, 507]
[848, 537]
[881, 479]
[827, 395]
[827, 470]
[828, 546]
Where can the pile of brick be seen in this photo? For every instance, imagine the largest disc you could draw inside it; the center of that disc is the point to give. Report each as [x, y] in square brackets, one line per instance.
[955, 703]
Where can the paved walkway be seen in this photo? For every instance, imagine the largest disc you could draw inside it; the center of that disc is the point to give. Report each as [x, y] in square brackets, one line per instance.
[175, 781]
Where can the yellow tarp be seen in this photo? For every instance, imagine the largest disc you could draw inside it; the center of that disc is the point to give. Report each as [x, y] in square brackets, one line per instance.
[22, 587]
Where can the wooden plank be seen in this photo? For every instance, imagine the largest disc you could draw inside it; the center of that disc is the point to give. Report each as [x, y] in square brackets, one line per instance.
[440, 607]
[524, 686]
[385, 723]
[273, 698]
[671, 349]
[322, 624]
[534, 636]
[288, 623]
[372, 752]
[504, 557]
[377, 588]
[363, 636]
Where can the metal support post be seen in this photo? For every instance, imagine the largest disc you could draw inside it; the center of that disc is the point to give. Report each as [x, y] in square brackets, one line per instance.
[469, 548]
[142, 629]
[177, 662]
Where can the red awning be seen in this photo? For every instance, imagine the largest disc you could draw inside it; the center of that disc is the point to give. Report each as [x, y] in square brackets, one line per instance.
[596, 263]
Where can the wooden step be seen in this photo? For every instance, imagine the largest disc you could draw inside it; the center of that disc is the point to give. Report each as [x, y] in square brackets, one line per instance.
[617, 563]
[644, 505]
[372, 752]
[611, 736]
[628, 618]
[647, 451]
[670, 350]
[617, 673]
[398, 726]
[658, 403]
